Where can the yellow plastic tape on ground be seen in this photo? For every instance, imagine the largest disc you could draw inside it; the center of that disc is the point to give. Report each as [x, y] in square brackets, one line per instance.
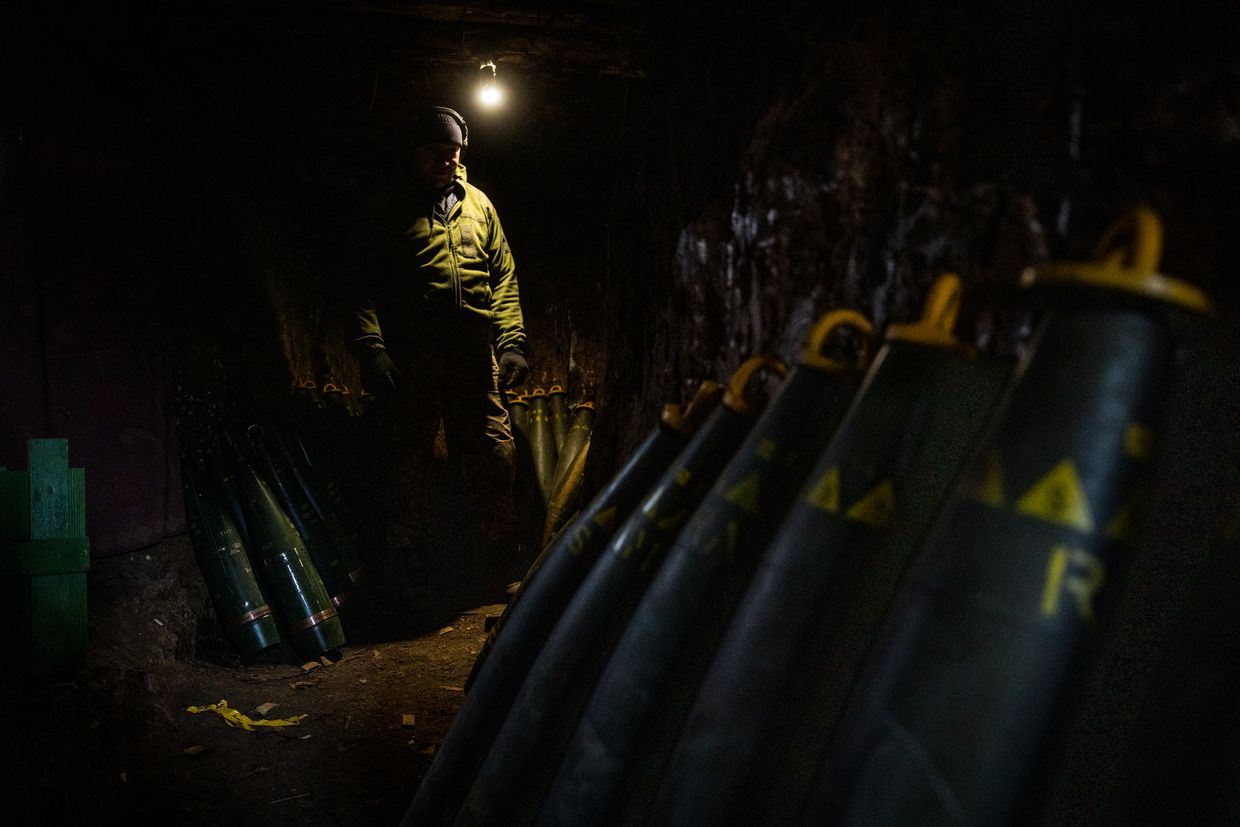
[238, 719]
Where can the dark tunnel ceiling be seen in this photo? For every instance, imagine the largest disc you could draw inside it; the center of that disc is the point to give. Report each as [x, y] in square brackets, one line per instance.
[359, 67]
[598, 38]
[555, 41]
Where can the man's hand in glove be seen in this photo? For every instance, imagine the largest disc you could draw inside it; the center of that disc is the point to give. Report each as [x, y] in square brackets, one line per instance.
[379, 374]
[512, 369]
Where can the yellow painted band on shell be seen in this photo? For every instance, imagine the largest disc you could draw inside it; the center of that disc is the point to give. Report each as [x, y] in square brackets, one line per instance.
[1126, 261]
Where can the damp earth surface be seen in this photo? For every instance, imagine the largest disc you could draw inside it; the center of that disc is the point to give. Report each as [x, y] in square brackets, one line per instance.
[114, 743]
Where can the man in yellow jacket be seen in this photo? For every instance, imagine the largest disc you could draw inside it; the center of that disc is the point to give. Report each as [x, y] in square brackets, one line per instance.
[439, 335]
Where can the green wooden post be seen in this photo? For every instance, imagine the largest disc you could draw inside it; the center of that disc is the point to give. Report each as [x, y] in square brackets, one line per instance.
[44, 555]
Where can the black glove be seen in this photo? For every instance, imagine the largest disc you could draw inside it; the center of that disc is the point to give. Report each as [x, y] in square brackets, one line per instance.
[512, 369]
[379, 374]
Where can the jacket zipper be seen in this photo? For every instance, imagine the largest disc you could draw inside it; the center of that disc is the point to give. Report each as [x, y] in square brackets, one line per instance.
[455, 270]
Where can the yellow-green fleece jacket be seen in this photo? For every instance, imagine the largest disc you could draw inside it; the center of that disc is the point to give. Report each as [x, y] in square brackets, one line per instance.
[441, 279]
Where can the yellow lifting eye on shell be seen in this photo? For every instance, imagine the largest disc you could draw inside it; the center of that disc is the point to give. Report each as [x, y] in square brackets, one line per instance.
[1127, 261]
[937, 325]
[686, 419]
[814, 355]
[742, 396]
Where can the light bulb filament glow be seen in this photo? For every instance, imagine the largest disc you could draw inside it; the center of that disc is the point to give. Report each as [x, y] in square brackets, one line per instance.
[489, 92]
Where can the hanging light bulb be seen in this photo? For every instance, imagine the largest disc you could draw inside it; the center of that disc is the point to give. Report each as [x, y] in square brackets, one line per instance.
[489, 93]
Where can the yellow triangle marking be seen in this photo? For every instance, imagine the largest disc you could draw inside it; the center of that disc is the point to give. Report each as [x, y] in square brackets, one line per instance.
[606, 518]
[1122, 526]
[767, 448]
[636, 545]
[683, 475]
[670, 524]
[876, 507]
[1058, 498]
[985, 483]
[1138, 441]
[729, 541]
[826, 492]
[745, 494]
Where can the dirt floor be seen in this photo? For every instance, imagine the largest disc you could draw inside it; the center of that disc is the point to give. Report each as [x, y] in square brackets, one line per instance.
[115, 744]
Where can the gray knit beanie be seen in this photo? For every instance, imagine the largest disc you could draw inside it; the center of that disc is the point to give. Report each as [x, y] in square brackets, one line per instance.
[438, 126]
